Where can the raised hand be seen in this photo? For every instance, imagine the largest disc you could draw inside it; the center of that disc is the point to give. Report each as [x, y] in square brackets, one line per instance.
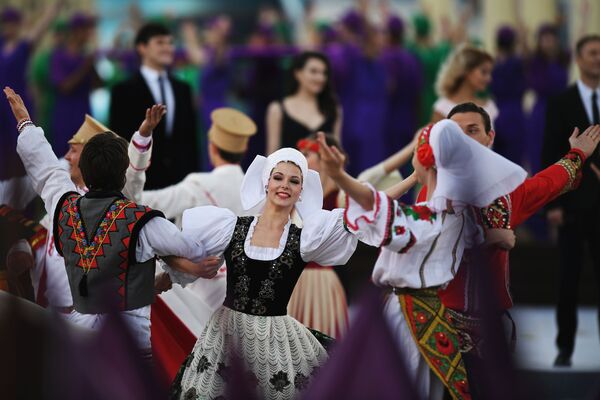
[332, 160]
[153, 116]
[16, 105]
[587, 141]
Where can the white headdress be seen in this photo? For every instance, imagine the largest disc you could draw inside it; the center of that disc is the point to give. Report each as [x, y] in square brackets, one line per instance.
[468, 173]
[257, 177]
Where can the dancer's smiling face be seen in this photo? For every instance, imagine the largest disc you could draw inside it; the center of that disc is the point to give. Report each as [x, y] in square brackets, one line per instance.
[285, 184]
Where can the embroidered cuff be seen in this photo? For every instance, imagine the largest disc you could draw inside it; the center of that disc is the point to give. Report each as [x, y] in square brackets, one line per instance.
[572, 162]
[142, 143]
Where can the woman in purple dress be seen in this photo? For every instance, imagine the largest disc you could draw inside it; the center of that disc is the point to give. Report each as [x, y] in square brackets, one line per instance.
[508, 86]
[15, 52]
[404, 83]
[548, 76]
[73, 75]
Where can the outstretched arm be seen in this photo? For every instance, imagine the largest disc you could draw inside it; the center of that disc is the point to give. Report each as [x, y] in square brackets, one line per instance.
[333, 162]
[545, 186]
[49, 180]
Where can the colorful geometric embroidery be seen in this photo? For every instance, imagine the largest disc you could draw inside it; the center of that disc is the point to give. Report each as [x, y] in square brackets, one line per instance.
[436, 338]
[497, 214]
[572, 163]
[88, 251]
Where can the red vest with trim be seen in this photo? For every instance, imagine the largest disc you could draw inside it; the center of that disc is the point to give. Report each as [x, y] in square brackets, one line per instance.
[97, 235]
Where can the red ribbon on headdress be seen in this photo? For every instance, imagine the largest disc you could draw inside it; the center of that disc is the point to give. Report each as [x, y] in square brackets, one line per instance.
[424, 150]
[307, 144]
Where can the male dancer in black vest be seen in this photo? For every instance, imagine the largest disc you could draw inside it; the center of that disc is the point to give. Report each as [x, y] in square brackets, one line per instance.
[109, 243]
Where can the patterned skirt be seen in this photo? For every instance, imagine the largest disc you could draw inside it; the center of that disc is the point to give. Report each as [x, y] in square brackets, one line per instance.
[319, 301]
[280, 356]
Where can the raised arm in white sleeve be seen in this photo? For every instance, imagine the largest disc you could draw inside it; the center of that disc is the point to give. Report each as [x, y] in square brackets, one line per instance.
[49, 179]
[140, 152]
[325, 240]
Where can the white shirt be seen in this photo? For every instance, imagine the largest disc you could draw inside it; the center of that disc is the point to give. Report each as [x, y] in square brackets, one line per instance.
[585, 92]
[419, 248]
[220, 187]
[16, 192]
[151, 77]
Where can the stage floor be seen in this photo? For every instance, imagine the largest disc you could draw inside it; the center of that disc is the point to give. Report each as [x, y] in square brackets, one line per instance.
[536, 331]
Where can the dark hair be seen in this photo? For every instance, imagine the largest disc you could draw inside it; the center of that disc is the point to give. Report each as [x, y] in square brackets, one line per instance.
[585, 40]
[104, 161]
[233, 158]
[150, 30]
[327, 100]
[474, 108]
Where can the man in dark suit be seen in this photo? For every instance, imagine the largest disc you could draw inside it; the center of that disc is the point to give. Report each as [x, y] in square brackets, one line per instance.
[576, 214]
[174, 150]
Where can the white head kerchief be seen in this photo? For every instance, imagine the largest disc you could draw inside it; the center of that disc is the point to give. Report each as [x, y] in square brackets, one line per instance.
[257, 177]
[468, 173]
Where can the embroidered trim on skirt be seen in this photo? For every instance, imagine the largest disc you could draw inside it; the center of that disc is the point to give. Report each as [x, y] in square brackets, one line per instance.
[280, 354]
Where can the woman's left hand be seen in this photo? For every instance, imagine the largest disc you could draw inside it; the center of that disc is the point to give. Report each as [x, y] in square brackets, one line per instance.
[332, 160]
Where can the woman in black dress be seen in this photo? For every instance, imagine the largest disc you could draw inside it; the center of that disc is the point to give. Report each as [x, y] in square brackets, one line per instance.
[309, 107]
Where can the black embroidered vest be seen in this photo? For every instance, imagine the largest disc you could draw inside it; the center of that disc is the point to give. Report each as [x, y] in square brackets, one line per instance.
[261, 287]
[97, 236]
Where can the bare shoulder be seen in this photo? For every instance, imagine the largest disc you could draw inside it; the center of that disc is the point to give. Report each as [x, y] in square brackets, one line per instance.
[274, 110]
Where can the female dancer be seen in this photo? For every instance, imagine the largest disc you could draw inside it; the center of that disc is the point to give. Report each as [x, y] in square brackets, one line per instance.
[466, 73]
[319, 300]
[311, 105]
[265, 256]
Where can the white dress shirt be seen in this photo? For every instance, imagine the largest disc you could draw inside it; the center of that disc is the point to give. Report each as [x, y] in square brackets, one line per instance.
[151, 77]
[220, 187]
[586, 97]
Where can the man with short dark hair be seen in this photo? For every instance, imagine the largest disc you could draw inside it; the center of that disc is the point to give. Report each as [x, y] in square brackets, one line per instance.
[175, 150]
[577, 214]
[112, 267]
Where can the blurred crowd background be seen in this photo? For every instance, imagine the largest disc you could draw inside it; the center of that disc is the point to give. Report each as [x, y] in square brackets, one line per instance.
[385, 59]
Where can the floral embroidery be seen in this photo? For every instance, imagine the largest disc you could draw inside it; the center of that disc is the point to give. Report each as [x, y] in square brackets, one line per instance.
[191, 394]
[242, 286]
[301, 381]
[399, 230]
[419, 213]
[424, 149]
[203, 364]
[280, 381]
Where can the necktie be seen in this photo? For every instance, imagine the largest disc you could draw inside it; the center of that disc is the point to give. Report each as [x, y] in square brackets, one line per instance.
[161, 85]
[163, 100]
[595, 112]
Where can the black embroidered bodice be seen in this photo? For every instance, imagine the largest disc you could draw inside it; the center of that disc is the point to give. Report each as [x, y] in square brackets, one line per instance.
[261, 287]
